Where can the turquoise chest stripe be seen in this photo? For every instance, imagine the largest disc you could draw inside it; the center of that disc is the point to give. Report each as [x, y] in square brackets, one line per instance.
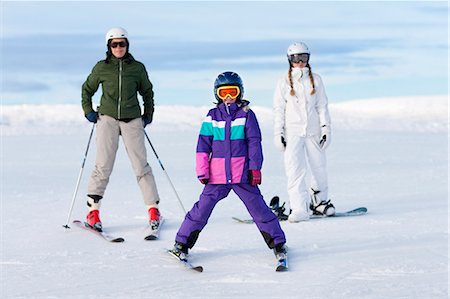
[219, 133]
[237, 132]
[217, 129]
[206, 129]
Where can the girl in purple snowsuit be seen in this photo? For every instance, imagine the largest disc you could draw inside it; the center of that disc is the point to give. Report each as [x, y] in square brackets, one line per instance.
[229, 157]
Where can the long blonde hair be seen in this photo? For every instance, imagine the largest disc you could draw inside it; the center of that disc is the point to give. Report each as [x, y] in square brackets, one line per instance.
[311, 79]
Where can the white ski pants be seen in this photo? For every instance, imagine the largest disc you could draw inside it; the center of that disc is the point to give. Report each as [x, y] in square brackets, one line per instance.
[300, 153]
[107, 141]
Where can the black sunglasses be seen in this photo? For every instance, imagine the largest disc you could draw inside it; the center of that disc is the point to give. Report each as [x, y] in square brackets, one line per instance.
[296, 58]
[118, 44]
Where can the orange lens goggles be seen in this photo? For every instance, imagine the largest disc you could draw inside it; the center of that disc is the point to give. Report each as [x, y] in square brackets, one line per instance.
[231, 91]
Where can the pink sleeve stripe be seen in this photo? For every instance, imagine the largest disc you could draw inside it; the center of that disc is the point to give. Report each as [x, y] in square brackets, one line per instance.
[202, 165]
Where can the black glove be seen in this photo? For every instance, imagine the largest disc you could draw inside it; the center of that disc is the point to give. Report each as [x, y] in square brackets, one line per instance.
[146, 120]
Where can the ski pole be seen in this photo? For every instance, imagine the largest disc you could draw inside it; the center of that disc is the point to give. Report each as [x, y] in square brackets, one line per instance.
[79, 178]
[165, 172]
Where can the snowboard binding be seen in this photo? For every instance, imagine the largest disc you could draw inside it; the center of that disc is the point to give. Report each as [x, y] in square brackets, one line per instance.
[277, 209]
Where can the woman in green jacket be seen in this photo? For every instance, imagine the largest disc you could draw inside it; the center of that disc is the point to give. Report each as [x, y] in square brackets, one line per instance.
[119, 113]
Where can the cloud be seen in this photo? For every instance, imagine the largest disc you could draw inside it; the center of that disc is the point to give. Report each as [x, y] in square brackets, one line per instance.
[193, 41]
[79, 52]
[13, 86]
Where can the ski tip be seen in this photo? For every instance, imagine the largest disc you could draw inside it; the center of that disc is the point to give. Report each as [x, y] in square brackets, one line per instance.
[186, 263]
[118, 240]
[248, 221]
[281, 269]
[151, 238]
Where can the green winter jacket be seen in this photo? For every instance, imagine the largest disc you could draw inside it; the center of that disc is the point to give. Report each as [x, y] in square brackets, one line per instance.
[121, 80]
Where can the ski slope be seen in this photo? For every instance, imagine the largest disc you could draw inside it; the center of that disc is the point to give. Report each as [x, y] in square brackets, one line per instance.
[394, 161]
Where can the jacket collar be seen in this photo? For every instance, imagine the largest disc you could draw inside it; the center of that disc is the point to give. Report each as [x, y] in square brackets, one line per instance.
[128, 58]
[231, 109]
[298, 73]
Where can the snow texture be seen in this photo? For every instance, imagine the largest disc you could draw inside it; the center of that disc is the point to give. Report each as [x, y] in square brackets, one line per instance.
[390, 155]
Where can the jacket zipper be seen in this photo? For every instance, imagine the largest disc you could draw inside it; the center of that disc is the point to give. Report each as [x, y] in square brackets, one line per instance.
[228, 174]
[120, 89]
[305, 105]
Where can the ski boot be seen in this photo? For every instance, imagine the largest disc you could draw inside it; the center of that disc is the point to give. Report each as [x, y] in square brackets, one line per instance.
[180, 250]
[93, 220]
[154, 218]
[280, 252]
[298, 216]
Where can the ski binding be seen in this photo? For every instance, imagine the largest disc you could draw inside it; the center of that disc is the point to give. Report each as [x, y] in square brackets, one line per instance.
[152, 233]
[185, 262]
[102, 234]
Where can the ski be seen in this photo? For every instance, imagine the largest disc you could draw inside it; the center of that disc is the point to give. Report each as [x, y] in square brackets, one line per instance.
[101, 234]
[185, 262]
[153, 233]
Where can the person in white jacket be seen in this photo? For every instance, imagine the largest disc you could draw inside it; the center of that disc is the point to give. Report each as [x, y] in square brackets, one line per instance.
[302, 131]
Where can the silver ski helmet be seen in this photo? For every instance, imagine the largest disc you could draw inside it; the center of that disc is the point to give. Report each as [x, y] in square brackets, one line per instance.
[298, 52]
[116, 32]
[298, 48]
[231, 79]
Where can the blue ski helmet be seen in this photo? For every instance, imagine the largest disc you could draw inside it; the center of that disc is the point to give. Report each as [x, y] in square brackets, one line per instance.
[228, 78]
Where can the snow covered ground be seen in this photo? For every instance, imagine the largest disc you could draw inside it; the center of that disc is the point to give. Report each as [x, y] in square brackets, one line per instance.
[390, 155]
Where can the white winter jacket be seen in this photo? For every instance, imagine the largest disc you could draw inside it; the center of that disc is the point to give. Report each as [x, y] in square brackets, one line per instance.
[302, 114]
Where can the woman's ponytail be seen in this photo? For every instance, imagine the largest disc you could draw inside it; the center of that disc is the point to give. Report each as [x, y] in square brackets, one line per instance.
[290, 80]
[311, 79]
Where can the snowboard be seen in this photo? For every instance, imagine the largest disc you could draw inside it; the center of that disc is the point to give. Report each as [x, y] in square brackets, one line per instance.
[279, 211]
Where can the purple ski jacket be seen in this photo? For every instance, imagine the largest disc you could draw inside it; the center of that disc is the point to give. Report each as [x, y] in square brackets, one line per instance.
[229, 144]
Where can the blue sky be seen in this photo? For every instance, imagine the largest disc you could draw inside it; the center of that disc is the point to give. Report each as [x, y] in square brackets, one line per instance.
[361, 49]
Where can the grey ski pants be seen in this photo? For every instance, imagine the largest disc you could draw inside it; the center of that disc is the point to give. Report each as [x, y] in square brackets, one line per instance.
[107, 141]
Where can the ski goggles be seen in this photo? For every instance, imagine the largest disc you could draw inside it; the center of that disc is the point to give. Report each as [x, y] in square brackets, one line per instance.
[224, 91]
[118, 44]
[297, 58]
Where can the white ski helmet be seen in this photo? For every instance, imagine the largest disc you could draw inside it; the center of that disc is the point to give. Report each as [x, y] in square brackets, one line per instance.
[297, 48]
[116, 32]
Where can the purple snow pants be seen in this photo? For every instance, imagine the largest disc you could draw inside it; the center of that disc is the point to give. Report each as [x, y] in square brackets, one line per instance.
[198, 216]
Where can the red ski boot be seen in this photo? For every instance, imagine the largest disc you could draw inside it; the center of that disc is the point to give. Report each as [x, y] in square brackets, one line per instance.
[154, 218]
[93, 220]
